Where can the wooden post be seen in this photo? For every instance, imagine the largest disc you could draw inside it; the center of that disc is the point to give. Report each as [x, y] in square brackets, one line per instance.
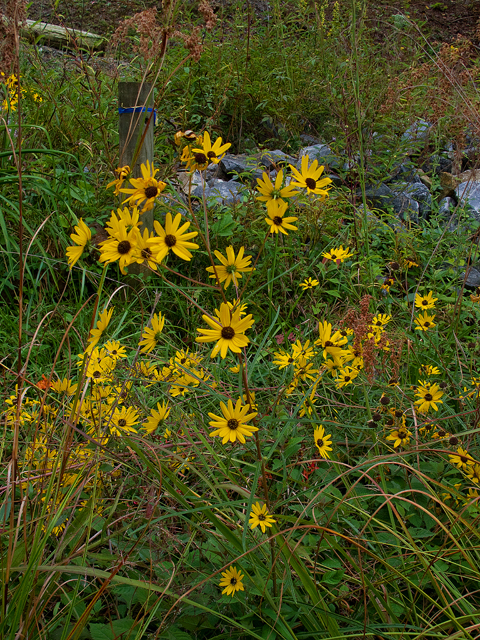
[131, 130]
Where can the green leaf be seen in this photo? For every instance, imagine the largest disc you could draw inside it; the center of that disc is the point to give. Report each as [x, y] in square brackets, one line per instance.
[225, 226]
[101, 632]
[333, 577]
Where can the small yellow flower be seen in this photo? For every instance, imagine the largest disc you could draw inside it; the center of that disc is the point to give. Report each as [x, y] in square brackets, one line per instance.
[232, 425]
[152, 335]
[259, 516]
[122, 173]
[322, 441]
[102, 323]
[156, 418]
[338, 255]
[429, 397]
[400, 437]
[270, 192]
[462, 459]
[276, 210]
[425, 302]
[424, 322]
[173, 238]
[229, 330]
[145, 189]
[232, 267]
[309, 284]
[309, 177]
[232, 581]
[81, 238]
[210, 153]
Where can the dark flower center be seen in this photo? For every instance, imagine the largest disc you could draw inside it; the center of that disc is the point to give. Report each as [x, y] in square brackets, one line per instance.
[146, 253]
[97, 374]
[329, 343]
[333, 256]
[183, 360]
[347, 378]
[170, 240]
[151, 192]
[211, 154]
[426, 324]
[124, 247]
[200, 158]
[428, 397]
[233, 424]
[262, 516]
[464, 459]
[311, 183]
[402, 434]
[233, 581]
[424, 302]
[398, 413]
[442, 433]
[227, 333]
[122, 422]
[453, 440]
[290, 360]
[278, 221]
[114, 352]
[320, 443]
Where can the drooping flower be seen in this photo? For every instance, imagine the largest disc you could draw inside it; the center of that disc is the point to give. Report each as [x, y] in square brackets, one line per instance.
[309, 177]
[64, 386]
[424, 322]
[232, 425]
[309, 284]
[228, 330]
[122, 173]
[330, 343]
[276, 210]
[232, 581]
[115, 349]
[429, 396]
[121, 247]
[232, 267]
[145, 189]
[173, 237]
[152, 335]
[338, 255]
[473, 473]
[269, 191]
[81, 238]
[259, 516]
[156, 418]
[102, 323]
[322, 441]
[429, 370]
[425, 302]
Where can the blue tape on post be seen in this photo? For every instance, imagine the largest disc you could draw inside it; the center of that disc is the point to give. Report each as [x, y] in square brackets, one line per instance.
[139, 110]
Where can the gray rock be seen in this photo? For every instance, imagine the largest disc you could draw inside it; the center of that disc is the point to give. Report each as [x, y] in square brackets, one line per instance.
[213, 171]
[472, 279]
[384, 198]
[419, 131]
[221, 192]
[322, 153]
[231, 166]
[418, 192]
[437, 164]
[271, 159]
[446, 207]
[468, 196]
[308, 139]
[406, 172]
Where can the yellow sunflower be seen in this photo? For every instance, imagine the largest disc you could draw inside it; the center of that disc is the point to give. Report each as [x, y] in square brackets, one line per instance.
[156, 418]
[259, 516]
[425, 302]
[145, 189]
[210, 153]
[102, 324]
[232, 425]
[308, 283]
[229, 330]
[152, 335]
[123, 421]
[122, 247]
[144, 252]
[276, 210]
[400, 437]
[424, 322]
[81, 238]
[338, 255]
[130, 219]
[462, 459]
[429, 396]
[270, 192]
[322, 442]
[232, 267]
[232, 581]
[172, 238]
[308, 177]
